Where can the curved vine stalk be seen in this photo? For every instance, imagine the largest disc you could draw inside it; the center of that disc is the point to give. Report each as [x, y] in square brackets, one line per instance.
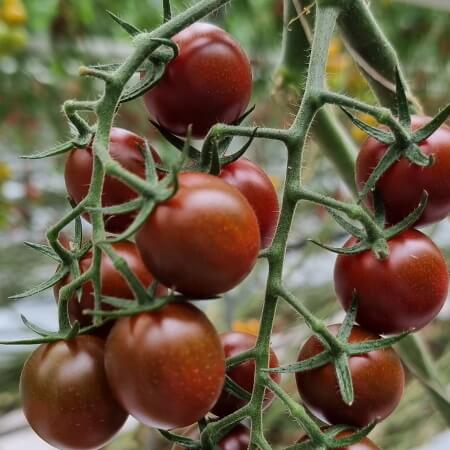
[314, 98]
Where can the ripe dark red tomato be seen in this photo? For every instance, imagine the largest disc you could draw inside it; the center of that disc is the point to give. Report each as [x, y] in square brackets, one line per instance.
[402, 292]
[378, 382]
[203, 241]
[364, 444]
[126, 148]
[66, 397]
[257, 188]
[402, 186]
[113, 283]
[209, 82]
[166, 367]
[237, 439]
[233, 344]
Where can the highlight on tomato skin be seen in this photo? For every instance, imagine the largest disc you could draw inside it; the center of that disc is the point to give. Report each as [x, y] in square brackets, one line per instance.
[364, 444]
[113, 284]
[166, 367]
[235, 343]
[127, 149]
[402, 186]
[202, 242]
[209, 82]
[66, 397]
[260, 192]
[403, 292]
[378, 382]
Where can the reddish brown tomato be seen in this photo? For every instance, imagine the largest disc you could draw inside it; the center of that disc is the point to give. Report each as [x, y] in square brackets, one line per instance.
[209, 82]
[402, 292]
[233, 344]
[166, 367]
[402, 186]
[364, 444]
[126, 148]
[203, 241]
[66, 397]
[378, 382]
[257, 188]
[237, 439]
[113, 283]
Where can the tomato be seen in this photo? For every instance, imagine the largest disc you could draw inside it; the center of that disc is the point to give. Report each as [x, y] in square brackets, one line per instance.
[166, 367]
[237, 439]
[14, 13]
[203, 241]
[378, 382]
[402, 186]
[364, 444]
[113, 283]
[402, 292]
[209, 82]
[126, 148]
[233, 344]
[257, 188]
[66, 397]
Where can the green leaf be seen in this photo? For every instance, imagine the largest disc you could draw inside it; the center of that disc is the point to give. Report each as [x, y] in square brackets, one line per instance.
[378, 344]
[344, 377]
[303, 366]
[58, 276]
[353, 439]
[130, 29]
[376, 133]
[380, 213]
[409, 220]
[349, 321]
[127, 207]
[233, 388]
[54, 151]
[235, 156]
[346, 225]
[358, 248]
[426, 131]
[402, 101]
[37, 329]
[416, 156]
[121, 303]
[44, 250]
[167, 8]
[180, 440]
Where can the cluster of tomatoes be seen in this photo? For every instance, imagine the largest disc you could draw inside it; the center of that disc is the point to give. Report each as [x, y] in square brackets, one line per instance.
[13, 36]
[167, 367]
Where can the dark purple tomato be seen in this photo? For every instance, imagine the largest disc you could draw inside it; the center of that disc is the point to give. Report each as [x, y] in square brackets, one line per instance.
[378, 382]
[405, 291]
[166, 367]
[66, 397]
[260, 192]
[209, 82]
[126, 148]
[235, 343]
[203, 241]
[402, 186]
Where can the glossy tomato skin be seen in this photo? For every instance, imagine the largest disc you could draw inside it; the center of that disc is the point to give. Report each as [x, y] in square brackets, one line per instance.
[126, 148]
[260, 192]
[402, 292]
[402, 186]
[237, 439]
[364, 444]
[166, 367]
[378, 382]
[235, 343]
[203, 241]
[66, 397]
[113, 283]
[209, 82]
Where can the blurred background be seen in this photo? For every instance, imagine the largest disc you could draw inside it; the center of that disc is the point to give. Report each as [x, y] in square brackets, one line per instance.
[42, 44]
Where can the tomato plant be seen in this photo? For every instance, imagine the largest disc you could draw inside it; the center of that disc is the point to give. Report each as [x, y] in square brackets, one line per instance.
[66, 397]
[378, 381]
[243, 374]
[403, 292]
[166, 367]
[210, 81]
[258, 189]
[113, 283]
[403, 184]
[364, 444]
[204, 240]
[127, 149]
